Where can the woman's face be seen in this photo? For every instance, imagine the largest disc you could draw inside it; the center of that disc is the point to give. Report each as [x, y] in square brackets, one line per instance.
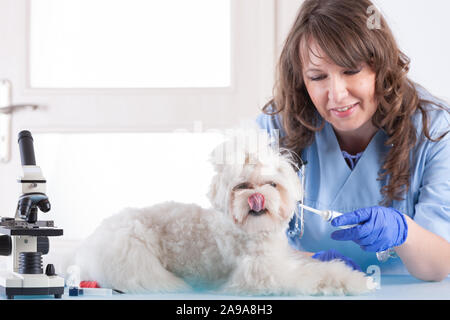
[343, 97]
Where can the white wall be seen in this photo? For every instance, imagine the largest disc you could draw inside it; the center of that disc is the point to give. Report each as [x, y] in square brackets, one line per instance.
[422, 31]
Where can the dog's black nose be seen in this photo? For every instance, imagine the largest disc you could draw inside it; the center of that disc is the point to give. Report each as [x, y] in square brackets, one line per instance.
[257, 213]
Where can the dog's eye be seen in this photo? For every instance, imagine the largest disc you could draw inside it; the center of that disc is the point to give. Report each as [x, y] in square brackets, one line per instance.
[244, 185]
[273, 184]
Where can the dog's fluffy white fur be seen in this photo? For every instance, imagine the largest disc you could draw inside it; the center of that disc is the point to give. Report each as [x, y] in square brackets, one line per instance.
[172, 247]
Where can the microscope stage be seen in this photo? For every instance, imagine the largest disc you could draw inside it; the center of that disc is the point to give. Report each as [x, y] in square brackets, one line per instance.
[17, 231]
[13, 227]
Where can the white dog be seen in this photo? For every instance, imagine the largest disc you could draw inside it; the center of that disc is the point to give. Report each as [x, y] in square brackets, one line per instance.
[238, 247]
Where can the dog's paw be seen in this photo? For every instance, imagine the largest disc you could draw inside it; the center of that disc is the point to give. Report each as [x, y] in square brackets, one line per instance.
[358, 284]
[341, 280]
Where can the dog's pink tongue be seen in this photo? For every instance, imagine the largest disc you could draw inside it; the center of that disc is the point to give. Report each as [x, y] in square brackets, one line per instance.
[256, 202]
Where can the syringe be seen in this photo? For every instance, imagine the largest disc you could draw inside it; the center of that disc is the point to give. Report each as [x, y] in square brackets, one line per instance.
[327, 215]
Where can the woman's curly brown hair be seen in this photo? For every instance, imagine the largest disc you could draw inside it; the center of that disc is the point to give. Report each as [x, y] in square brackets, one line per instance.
[342, 30]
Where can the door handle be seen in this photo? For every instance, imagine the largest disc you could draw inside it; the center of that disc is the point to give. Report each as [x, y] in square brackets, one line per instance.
[14, 107]
[6, 111]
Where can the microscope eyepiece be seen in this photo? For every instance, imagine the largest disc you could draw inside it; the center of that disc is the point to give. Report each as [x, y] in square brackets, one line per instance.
[26, 148]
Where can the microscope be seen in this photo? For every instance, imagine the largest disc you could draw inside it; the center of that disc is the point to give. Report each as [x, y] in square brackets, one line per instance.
[25, 239]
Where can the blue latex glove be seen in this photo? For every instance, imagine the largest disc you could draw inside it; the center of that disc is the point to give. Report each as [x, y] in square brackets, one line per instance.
[380, 228]
[333, 254]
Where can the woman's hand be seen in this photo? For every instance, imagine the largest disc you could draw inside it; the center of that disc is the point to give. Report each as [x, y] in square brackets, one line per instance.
[332, 255]
[425, 254]
[379, 229]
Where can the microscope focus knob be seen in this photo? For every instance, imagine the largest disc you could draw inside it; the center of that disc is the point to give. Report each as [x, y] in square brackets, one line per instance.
[5, 245]
[43, 244]
[44, 205]
[50, 270]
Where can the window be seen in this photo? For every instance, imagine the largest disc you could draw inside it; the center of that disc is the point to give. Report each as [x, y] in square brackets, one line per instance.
[129, 43]
[93, 176]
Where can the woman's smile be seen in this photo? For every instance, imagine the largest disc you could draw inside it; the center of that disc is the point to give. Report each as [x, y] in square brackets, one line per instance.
[344, 112]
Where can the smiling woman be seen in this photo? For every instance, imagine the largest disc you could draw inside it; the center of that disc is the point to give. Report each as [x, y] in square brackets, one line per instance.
[331, 60]
[343, 92]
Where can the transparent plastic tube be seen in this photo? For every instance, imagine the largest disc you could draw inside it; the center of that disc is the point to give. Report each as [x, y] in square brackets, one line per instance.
[329, 215]
[383, 256]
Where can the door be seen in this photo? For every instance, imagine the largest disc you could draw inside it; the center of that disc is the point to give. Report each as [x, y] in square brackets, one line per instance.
[71, 60]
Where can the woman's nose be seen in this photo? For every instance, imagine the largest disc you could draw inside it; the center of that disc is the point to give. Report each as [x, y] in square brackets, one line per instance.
[337, 92]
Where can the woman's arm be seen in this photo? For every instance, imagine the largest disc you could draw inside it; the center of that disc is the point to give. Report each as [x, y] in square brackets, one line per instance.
[425, 254]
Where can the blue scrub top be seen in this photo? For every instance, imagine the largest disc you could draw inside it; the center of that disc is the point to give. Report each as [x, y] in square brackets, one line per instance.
[331, 184]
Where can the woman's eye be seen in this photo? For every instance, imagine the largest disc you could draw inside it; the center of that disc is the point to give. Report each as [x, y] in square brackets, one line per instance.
[318, 78]
[352, 72]
[348, 72]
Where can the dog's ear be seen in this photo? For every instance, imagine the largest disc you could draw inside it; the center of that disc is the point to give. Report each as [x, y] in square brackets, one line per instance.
[216, 158]
[212, 193]
[217, 193]
[293, 190]
[292, 181]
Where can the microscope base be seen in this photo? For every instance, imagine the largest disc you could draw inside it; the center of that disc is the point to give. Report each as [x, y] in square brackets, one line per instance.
[10, 293]
[14, 284]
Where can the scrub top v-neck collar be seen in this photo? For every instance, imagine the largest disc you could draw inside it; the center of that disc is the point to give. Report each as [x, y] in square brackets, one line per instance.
[347, 189]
